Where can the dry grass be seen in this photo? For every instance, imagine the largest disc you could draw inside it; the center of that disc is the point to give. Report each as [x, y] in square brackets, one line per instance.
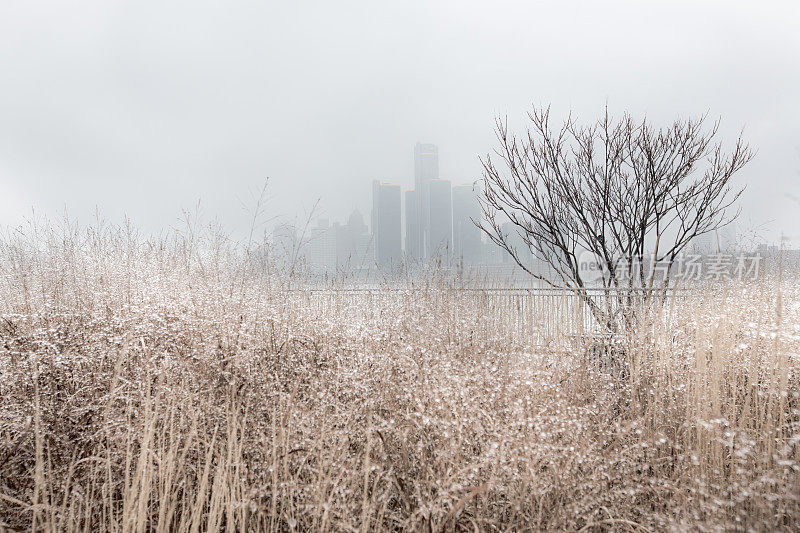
[173, 385]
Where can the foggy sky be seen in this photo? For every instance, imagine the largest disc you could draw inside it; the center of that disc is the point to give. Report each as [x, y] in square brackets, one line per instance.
[143, 108]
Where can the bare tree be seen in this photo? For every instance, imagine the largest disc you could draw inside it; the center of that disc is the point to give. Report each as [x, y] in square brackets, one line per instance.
[624, 192]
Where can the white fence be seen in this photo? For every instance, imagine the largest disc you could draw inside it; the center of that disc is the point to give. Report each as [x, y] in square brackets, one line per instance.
[539, 316]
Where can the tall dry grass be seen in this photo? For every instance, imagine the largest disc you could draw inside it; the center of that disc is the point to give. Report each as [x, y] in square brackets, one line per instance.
[173, 384]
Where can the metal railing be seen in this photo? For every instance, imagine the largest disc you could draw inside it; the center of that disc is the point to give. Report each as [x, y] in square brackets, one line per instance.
[538, 316]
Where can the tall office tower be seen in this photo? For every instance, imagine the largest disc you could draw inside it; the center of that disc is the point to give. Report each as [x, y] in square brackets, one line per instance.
[514, 238]
[322, 241]
[721, 240]
[728, 238]
[413, 249]
[285, 245]
[466, 235]
[441, 219]
[426, 168]
[353, 244]
[386, 228]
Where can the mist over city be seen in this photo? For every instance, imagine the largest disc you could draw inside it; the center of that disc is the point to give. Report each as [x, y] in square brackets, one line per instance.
[424, 266]
[106, 104]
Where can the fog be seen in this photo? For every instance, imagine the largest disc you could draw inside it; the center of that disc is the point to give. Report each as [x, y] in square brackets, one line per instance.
[144, 108]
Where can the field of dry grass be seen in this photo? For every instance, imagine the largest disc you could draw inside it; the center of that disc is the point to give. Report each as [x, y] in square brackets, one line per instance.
[175, 385]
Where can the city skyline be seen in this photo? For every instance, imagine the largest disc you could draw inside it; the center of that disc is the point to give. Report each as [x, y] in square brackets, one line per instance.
[401, 234]
[400, 230]
[153, 114]
[450, 236]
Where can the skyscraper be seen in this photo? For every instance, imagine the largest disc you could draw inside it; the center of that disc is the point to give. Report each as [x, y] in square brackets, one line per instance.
[354, 246]
[285, 244]
[386, 228]
[413, 248]
[426, 168]
[514, 237]
[466, 235]
[441, 219]
[322, 241]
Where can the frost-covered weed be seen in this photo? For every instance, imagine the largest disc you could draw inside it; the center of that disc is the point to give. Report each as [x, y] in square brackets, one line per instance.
[180, 383]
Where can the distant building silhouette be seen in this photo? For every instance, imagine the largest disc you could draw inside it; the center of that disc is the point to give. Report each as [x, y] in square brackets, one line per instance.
[413, 236]
[524, 253]
[466, 235]
[354, 250]
[285, 246]
[426, 168]
[724, 239]
[441, 219]
[386, 223]
[322, 243]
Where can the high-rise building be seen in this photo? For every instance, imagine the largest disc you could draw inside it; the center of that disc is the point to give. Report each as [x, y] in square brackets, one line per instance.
[413, 248]
[466, 235]
[354, 244]
[285, 244]
[426, 168]
[322, 241]
[386, 228]
[514, 237]
[441, 219]
[721, 240]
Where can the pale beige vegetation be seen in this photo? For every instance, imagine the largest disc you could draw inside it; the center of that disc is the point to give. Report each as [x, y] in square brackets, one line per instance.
[175, 385]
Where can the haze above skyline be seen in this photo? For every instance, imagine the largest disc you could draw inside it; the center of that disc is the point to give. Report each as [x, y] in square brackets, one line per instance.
[143, 108]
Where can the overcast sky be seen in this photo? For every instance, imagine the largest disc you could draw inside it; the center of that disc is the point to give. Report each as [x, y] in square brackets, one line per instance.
[145, 107]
